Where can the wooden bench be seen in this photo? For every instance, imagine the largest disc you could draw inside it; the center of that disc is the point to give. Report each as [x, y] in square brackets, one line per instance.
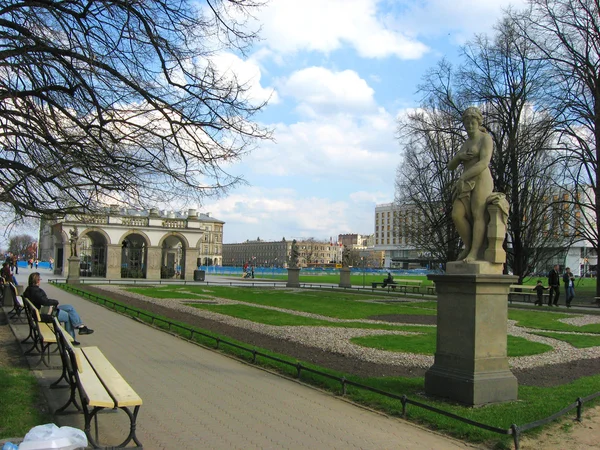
[18, 304]
[99, 385]
[431, 289]
[403, 285]
[526, 292]
[40, 333]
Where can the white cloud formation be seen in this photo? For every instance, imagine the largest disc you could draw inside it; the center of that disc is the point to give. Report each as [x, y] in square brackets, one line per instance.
[248, 73]
[321, 91]
[259, 212]
[316, 25]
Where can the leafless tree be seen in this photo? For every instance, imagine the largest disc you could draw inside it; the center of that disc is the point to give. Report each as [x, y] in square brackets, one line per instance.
[566, 34]
[106, 101]
[22, 245]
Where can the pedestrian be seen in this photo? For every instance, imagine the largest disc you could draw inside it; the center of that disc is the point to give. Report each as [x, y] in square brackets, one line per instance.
[51, 262]
[36, 264]
[554, 285]
[66, 313]
[16, 264]
[569, 281]
[7, 274]
[539, 289]
[252, 271]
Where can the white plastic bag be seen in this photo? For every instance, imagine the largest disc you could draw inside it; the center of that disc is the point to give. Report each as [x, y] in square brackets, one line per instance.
[50, 437]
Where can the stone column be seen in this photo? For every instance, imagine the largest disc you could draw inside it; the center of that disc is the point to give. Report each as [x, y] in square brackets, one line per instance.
[345, 278]
[471, 364]
[113, 262]
[73, 275]
[191, 259]
[154, 262]
[293, 277]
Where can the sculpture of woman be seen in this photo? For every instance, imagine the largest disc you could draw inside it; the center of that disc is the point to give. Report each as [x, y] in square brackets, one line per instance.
[474, 185]
[74, 235]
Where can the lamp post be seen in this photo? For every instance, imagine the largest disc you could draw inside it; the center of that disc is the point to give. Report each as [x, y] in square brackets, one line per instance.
[362, 258]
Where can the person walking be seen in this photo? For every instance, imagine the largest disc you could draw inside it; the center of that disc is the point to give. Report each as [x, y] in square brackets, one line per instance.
[554, 285]
[569, 282]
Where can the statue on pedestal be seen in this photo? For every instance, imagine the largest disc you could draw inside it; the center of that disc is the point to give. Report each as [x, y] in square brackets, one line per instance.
[73, 236]
[294, 255]
[473, 193]
[345, 257]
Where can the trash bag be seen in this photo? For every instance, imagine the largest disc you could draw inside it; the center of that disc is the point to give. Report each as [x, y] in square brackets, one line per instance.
[49, 436]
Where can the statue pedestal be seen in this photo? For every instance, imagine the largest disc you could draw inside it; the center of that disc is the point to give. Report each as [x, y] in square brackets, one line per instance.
[471, 364]
[345, 278]
[73, 275]
[293, 278]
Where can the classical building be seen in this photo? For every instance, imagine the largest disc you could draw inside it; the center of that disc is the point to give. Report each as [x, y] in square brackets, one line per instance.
[277, 253]
[122, 243]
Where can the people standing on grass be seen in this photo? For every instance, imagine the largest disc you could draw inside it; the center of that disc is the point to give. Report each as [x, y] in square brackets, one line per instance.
[539, 289]
[554, 285]
[569, 282]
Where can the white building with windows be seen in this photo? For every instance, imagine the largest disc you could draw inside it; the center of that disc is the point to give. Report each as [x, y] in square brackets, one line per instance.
[122, 243]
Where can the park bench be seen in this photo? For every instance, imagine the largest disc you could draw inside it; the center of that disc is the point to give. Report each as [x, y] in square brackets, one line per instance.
[99, 385]
[526, 292]
[403, 285]
[18, 305]
[41, 333]
[431, 289]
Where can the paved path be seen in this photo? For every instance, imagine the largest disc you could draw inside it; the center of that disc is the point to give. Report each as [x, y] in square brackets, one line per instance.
[198, 399]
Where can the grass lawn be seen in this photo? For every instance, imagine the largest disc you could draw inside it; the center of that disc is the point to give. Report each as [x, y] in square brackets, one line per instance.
[340, 305]
[576, 340]
[546, 320]
[20, 400]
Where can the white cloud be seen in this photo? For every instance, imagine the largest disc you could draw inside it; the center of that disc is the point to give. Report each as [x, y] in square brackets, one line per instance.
[316, 25]
[248, 73]
[322, 91]
[259, 212]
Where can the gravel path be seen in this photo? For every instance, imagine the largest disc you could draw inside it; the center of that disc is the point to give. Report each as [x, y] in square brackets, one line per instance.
[337, 340]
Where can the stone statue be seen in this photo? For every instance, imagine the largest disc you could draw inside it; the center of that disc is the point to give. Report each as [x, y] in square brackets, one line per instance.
[474, 186]
[346, 257]
[294, 255]
[73, 236]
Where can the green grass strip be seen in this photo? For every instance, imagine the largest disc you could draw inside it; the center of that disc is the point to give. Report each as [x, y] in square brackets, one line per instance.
[20, 402]
[576, 340]
[545, 320]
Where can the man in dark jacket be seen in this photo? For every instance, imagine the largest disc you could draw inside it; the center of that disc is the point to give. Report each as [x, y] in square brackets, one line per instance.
[554, 285]
[66, 313]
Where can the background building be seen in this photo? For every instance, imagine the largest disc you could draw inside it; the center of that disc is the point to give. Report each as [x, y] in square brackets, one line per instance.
[260, 253]
[122, 243]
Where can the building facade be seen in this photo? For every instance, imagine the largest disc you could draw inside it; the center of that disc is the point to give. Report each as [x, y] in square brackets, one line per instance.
[120, 243]
[277, 253]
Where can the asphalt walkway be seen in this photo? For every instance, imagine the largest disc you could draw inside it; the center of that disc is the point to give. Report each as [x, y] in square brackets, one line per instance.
[195, 398]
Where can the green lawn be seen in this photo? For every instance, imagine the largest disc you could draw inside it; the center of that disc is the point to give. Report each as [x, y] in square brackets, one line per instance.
[20, 400]
[425, 344]
[576, 340]
[546, 320]
[340, 305]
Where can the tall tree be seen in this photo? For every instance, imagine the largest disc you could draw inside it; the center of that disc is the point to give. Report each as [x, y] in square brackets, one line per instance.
[566, 34]
[119, 100]
[23, 245]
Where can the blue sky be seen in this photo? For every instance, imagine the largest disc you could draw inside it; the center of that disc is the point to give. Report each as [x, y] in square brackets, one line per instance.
[338, 74]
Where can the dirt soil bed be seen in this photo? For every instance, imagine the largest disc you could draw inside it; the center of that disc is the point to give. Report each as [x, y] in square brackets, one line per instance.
[551, 375]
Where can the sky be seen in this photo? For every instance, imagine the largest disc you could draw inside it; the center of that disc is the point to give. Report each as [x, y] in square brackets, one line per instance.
[337, 75]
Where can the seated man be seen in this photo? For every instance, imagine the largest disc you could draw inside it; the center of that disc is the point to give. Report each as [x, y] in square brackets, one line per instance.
[66, 313]
[388, 280]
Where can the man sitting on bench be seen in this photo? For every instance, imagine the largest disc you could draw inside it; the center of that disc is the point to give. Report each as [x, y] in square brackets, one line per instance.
[66, 313]
[388, 280]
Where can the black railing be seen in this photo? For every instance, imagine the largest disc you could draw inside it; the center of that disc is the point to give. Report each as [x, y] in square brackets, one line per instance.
[514, 430]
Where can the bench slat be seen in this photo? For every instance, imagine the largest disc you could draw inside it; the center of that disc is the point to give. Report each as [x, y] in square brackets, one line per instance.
[93, 389]
[120, 390]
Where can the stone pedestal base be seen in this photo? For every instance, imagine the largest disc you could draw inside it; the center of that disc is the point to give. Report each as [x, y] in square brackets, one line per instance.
[345, 278]
[293, 278]
[73, 275]
[471, 364]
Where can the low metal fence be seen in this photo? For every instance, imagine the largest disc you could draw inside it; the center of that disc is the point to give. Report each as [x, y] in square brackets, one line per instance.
[514, 430]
